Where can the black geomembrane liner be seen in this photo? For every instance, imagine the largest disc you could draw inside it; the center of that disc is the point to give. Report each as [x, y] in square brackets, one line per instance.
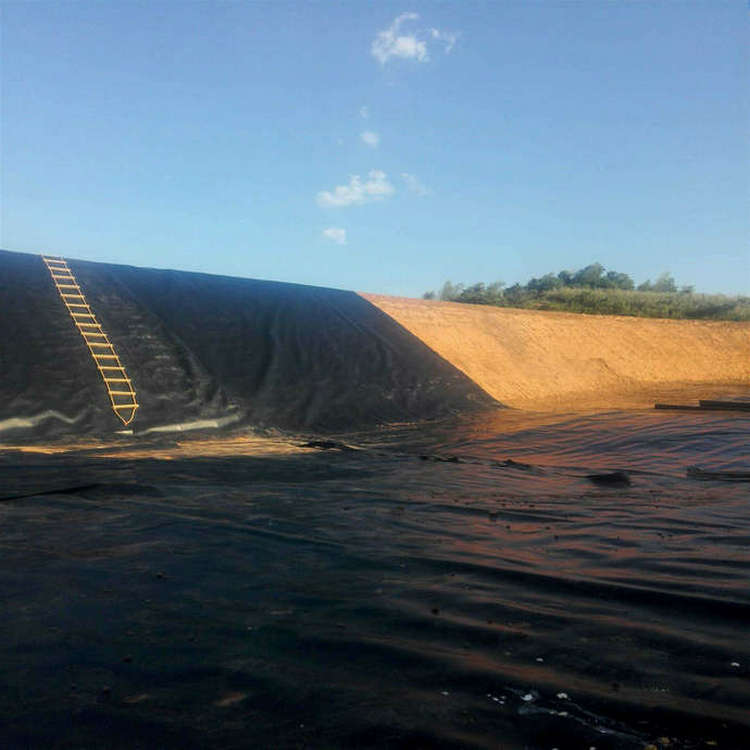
[200, 347]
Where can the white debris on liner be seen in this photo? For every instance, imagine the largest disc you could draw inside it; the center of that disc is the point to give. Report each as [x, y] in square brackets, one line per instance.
[539, 658]
[735, 664]
[528, 697]
[562, 696]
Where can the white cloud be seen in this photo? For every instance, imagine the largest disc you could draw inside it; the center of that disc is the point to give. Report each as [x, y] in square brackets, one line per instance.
[337, 234]
[376, 187]
[394, 42]
[371, 138]
[447, 37]
[364, 113]
[414, 185]
[390, 43]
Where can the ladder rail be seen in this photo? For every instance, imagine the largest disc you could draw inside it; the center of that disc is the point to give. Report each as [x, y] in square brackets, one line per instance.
[101, 348]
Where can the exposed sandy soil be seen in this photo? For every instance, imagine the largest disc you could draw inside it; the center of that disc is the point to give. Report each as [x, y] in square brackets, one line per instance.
[551, 360]
[166, 450]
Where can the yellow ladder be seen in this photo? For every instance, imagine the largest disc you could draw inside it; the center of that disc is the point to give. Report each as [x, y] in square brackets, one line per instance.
[119, 385]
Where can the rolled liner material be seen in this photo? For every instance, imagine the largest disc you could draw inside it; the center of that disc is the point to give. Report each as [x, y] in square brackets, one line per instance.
[725, 405]
[707, 406]
[207, 348]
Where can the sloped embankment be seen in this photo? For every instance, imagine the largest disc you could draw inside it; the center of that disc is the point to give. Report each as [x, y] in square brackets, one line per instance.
[547, 360]
[209, 351]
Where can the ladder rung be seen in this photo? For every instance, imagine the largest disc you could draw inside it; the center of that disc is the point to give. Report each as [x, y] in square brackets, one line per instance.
[64, 280]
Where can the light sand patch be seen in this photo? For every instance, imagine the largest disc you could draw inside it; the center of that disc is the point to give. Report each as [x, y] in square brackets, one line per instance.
[51, 449]
[230, 699]
[250, 445]
[133, 699]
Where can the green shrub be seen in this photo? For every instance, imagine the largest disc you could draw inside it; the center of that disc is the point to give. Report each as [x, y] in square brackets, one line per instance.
[591, 290]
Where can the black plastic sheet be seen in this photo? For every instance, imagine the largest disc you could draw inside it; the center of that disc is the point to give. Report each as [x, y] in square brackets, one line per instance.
[212, 351]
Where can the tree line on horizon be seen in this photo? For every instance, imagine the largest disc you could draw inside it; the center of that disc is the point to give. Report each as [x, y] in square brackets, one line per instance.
[595, 290]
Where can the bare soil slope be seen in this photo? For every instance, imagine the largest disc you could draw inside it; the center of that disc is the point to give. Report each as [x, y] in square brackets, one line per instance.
[549, 360]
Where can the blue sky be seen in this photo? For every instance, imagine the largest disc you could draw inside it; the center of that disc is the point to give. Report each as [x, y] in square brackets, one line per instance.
[378, 146]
